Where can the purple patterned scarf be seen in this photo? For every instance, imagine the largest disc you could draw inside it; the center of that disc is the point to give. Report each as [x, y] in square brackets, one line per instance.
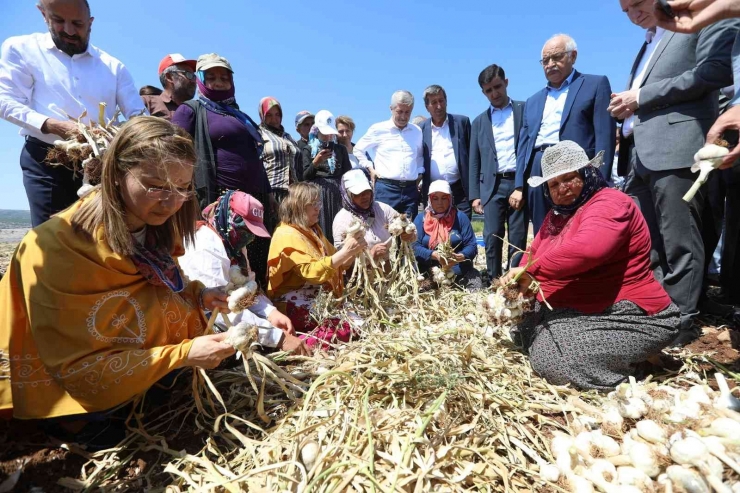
[155, 264]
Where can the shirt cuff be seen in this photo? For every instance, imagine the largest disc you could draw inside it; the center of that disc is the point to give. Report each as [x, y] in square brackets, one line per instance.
[36, 120]
[637, 97]
[270, 337]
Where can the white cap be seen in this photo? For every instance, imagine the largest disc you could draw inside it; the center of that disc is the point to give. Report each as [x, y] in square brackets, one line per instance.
[324, 121]
[440, 186]
[356, 182]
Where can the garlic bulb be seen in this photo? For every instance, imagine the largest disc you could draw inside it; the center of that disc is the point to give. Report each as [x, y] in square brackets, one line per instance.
[632, 408]
[632, 476]
[309, 453]
[241, 336]
[398, 225]
[242, 298]
[707, 159]
[643, 458]
[725, 399]
[651, 431]
[355, 229]
[236, 276]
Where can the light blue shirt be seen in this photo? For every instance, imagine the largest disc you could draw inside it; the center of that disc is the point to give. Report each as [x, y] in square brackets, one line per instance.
[736, 70]
[502, 121]
[553, 114]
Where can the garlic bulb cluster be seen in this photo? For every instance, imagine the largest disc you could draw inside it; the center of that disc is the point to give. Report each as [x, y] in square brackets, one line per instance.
[505, 306]
[400, 225]
[706, 160]
[241, 336]
[355, 229]
[441, 276]
[651, 437]
[242, 290]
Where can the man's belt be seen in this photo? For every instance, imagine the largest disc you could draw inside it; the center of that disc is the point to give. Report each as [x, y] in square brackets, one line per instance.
[509, 175]
[542, 147]
[400, 183]
[38, 142]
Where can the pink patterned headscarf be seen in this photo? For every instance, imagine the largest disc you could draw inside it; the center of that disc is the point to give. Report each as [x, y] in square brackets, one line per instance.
[266, 104]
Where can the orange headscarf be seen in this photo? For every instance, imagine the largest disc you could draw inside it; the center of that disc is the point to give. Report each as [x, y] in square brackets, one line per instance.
[438, 226]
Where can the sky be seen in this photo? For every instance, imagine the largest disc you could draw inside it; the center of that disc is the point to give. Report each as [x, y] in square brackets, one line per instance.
[347, 57]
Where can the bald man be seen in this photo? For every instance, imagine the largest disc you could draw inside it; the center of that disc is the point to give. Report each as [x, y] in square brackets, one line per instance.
[572, 106]
[45, 78]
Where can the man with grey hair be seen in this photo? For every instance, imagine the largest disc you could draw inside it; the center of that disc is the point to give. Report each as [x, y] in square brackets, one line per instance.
[177, 76]
[446, 140]
[47, 77]
[398, 166]
[571, 107]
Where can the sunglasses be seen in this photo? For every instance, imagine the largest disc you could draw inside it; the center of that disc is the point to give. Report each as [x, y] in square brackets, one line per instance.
[185, 73]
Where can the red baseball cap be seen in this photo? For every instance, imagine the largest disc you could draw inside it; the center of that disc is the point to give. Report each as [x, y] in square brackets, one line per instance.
[251, 210]
[174, 59]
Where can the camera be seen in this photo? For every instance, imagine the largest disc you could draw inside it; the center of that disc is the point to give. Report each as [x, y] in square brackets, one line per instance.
[666, 8]
[326, 145]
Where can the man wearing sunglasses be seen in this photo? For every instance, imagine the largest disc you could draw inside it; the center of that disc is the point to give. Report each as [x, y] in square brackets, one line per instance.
[177, 76]
[571, 107]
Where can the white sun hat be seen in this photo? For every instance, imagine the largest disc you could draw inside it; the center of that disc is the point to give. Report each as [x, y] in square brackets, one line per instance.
[324, 121]
[440, 186]
[356, 182]
[564, 157]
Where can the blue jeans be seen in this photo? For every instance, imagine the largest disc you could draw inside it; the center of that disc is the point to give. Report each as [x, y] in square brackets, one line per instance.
[404, 199]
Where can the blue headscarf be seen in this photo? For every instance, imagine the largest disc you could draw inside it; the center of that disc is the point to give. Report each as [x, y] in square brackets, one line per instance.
[314, 143]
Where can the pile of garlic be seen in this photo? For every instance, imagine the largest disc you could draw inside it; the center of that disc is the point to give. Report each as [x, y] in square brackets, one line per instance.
[648, 438]
[504, 306]
[400, 225]
[242, 290]
[443, 277]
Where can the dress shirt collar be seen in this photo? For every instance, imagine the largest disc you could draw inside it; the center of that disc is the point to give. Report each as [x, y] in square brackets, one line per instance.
[565, 83]
[393, 125]
[506, 106]
[48, 43]
[444, 124]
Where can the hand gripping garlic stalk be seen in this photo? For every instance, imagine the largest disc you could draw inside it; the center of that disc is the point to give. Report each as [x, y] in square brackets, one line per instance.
[681, 439]
[85, 148]
[365, 287]
[706, 160]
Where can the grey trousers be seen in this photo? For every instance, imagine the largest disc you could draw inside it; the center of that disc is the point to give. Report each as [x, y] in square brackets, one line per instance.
[677, 253]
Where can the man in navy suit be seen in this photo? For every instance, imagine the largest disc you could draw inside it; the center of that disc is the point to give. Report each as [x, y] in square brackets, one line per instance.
[493, 144]
[446, 140]
[571, 107]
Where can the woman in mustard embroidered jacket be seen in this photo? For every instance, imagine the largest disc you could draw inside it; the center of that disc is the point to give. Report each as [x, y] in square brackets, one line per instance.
[94, 309]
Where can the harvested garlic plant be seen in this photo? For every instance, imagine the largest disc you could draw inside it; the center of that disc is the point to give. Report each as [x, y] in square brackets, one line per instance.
[442, 277]
[400, 225]
[355, 229]
[241, 336]
[242, 290]
[706, 160]
[505, 306]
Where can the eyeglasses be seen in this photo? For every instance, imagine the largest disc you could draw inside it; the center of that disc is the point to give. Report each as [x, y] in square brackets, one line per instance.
[185, 73]
[555, 58]
[165, 194]
[317, 205]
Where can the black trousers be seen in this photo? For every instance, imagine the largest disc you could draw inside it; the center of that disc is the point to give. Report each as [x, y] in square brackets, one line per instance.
[49, 189]
[497, 215]
[536, 204]
[677, 253]
[730, 267]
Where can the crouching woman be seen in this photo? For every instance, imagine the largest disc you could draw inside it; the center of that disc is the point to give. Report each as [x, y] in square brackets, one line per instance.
[302, 261]
[592, 264]
[94, 309]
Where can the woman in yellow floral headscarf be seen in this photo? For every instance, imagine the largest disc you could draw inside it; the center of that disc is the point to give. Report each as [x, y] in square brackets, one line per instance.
[94, 309]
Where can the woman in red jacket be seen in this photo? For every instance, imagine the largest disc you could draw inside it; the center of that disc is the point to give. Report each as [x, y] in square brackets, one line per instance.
[592, 265]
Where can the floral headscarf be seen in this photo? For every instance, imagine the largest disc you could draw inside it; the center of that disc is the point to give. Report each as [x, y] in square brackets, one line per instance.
[266, 105]
[593, 181]
[225, 217]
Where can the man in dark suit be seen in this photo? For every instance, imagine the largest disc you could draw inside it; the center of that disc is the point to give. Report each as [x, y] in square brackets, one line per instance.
[671, 102]
[493, 144]
[446, 140]
[571, 107]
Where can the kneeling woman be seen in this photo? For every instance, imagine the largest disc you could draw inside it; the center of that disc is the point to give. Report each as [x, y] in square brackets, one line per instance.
[302, 261]
[94, 309]
[592, 263]
[231, 224]
[440, 223]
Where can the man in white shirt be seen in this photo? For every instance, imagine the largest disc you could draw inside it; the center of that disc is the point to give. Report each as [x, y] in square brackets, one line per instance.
[46, 78]
[398, 166]
[493, 142]
[446, 140]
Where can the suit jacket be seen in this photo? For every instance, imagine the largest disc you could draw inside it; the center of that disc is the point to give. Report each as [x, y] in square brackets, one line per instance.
[483, 158]
[585, 121]
[460, 135]
[679, 96]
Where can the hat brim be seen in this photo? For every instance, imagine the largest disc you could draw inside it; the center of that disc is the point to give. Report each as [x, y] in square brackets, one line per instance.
[596, 162]
[257, 228]
[358, 189]
[210, 65]
[327, 130]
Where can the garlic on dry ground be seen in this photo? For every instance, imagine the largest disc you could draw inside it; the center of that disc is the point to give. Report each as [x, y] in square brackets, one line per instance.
[725, 399]
[309, 454]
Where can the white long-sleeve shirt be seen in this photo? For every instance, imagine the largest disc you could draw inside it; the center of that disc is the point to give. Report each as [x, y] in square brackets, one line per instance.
[443, 165]
[39, 81]
[207, 261]
[398, 152]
